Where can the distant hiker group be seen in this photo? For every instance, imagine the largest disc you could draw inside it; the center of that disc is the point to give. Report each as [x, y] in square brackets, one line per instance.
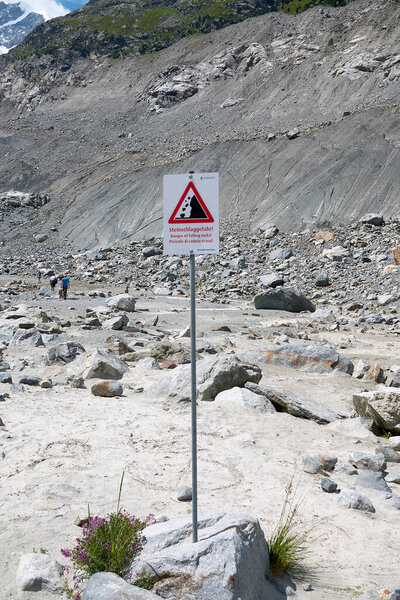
[64, 285]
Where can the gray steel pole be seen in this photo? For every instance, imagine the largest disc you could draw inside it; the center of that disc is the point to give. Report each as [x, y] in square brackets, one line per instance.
[193, 396]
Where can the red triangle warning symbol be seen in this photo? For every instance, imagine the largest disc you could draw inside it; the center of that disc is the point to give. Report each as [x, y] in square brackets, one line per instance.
[191, 208]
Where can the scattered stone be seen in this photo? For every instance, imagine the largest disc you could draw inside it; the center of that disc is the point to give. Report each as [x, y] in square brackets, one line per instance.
[389, 454]
[373, 462]
[360, 369]
[107, 389]
[328, 485]
[394, 442]
[77, 383]
[350, 498]
[346, 468]
[64, 353]
[27, 337]
[312, 465]
[247, 399]
[148, 363]
[5, 377]
[322, 280]
[122, 302]
[372, 219]
[99, 364]
[373, 480]
[40, 572]
[184, 493]
[117, 323]
[393, 475]
[272, 280]
[29, 380]
[283, 299]
[46, 384]
[61, 491]
[381, 408]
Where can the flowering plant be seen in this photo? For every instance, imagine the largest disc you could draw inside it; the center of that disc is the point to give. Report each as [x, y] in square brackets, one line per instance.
[106, 544]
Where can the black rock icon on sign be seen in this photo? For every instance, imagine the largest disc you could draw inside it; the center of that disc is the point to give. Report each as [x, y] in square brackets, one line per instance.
[192, 209]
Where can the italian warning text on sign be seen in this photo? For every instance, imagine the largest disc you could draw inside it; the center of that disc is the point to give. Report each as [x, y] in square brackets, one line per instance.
[191, 213]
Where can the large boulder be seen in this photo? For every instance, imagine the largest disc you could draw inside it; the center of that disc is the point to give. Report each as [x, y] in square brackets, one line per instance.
[283, 299]
[229, 562]
[122, 302]
[214, 375]
[108, 586]
[381, 408]
[27, 337]
[64, 353]
[311, 358]
[101, 364]
[107, 389]
[302, 407]
[40, 572]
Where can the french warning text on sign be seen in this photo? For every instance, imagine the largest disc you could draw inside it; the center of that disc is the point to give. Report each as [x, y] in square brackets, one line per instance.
[191, 213]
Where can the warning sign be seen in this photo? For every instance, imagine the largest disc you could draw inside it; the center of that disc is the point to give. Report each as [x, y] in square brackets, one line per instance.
[191, 213]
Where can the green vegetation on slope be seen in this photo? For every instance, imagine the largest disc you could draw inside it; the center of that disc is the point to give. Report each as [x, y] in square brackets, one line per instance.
[117, 27]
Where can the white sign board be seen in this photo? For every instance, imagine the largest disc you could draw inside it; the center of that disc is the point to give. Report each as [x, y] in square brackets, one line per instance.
[191, 213]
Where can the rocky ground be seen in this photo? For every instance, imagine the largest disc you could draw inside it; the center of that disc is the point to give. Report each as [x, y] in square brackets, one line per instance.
[99, 384]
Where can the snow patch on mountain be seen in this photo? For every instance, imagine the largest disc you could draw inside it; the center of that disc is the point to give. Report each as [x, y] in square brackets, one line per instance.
[49, 9]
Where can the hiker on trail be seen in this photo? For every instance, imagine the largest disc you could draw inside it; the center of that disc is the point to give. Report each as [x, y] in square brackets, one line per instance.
[64, 286]
[39, 276]
[53, 282]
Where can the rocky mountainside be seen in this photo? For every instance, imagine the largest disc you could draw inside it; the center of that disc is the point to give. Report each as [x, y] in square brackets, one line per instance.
[299, 114]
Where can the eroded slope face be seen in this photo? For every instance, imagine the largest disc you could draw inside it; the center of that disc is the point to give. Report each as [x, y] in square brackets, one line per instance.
[298, 114]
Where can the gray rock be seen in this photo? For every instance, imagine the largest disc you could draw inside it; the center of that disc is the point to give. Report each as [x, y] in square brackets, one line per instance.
[393, 380]
[394, 442]
[5, 377]
[27, 337]
[64, 353]
[346, 468]
[270, 230]
[99, 364]
[396, 502]
[381, 407]
[184, 493]
[108, 586]
[272, 280]
[39, 572]
[151, 251]
[372, 219]
[311, 358]
[350, 498]
[148, 363]
[247, 399]
[280, 254]
[29, 380]
[283, 299]
[238, 263]
[361, 368]
[387, 592]
[301, 407]
[328, 485]
[393, 475]
[4, 366]
[373, 480]
[107, 389]
[117, 323]
[373, 462]
[47, 384]
[230, 560]
[311, 465]
[389, 454]
[322, 280]
[214, 375]
[122, 302]
[42, 237]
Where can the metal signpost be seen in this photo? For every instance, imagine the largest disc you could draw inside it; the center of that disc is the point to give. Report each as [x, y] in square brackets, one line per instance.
[191, 226]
